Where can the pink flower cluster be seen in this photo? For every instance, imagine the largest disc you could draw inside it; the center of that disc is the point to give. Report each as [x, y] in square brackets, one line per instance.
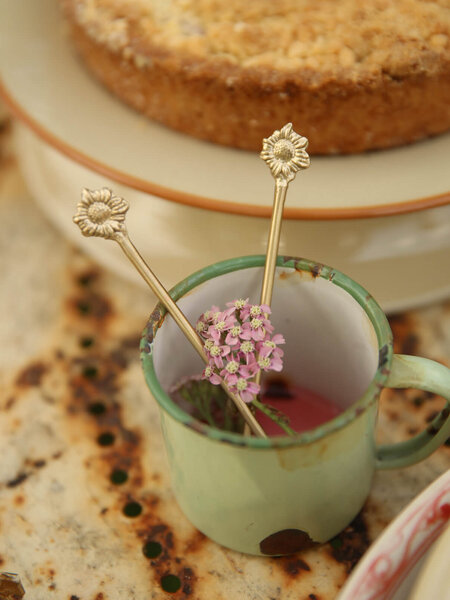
[239, 343]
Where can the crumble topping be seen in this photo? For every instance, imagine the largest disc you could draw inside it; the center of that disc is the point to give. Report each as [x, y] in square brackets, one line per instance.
[389, 36]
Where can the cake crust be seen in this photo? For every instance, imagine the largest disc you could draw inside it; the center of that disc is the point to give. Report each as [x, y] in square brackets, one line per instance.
[211, 87]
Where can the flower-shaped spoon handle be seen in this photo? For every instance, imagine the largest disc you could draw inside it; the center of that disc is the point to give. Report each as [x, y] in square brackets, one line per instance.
[102, 214]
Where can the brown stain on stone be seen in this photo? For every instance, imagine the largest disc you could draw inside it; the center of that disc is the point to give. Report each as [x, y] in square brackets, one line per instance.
[169, 540]
[188, 579]
[19, 500]
[130, 343]
[393, 416]
[20, 478]
[349, 546]
[5, 130]
[293, 566]
[59, 354]
[94, 379]
[195, 542]
[10, 403]
[152, 531]
[87, 277]
[410, 344]
[406, 340]
[93, 306]
[286, 541]
[32, 375]
[94, 384]
[5, 127]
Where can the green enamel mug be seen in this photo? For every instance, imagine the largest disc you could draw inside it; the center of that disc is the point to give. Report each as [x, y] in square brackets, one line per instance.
[277, 495]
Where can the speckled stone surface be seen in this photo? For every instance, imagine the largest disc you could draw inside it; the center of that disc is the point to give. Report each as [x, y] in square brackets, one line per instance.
[74, 409]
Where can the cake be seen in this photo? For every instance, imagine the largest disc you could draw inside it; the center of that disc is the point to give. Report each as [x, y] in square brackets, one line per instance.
[351, 76]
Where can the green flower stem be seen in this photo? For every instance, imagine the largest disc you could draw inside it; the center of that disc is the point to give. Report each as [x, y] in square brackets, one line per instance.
[272, 414]
[227, 416]
[211, 403]
[202, 406]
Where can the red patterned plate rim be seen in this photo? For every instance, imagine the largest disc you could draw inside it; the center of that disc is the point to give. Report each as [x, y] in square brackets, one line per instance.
[392, 556]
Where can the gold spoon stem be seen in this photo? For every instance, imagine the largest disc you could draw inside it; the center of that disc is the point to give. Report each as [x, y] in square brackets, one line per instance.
[159, 290]
[273, 242]
[281, 186]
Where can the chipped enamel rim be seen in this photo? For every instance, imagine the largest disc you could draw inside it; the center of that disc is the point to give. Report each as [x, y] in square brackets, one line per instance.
[364, 299]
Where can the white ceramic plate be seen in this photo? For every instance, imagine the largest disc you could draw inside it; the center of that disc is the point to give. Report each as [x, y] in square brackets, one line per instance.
[389, 569]
[52, 91]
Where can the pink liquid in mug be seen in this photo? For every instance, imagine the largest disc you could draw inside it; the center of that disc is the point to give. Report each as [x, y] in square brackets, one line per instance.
[304, 408]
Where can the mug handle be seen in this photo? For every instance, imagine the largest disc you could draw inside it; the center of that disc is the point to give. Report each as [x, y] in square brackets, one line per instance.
[430, 376]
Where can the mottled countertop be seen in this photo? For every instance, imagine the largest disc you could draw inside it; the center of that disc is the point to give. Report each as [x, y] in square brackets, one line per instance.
[80, 439]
